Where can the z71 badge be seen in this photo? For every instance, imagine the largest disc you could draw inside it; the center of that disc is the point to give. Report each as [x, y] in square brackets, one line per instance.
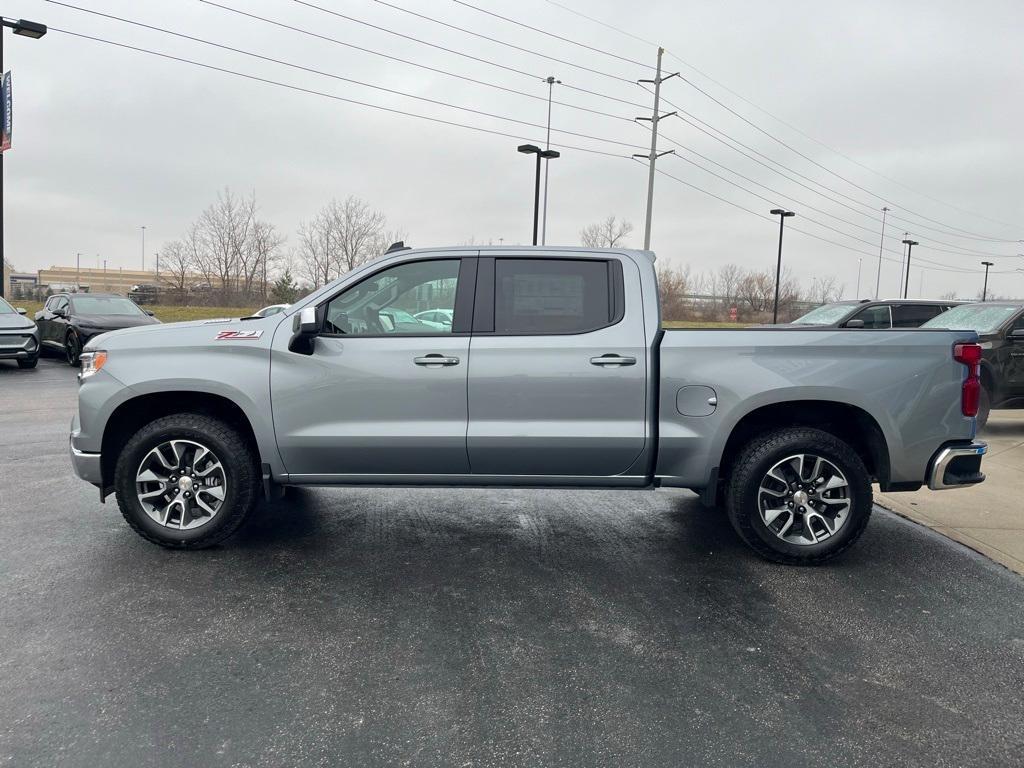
[238, 335]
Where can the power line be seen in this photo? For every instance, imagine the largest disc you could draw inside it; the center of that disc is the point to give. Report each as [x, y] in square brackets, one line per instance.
[938, 266]
[331, 75]
[553, 35]
[427, 67]
[323, 94]
[764, 111]
[500, 42]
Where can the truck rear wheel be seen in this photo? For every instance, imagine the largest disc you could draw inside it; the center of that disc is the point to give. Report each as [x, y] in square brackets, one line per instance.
[186, 481]
[799, 496]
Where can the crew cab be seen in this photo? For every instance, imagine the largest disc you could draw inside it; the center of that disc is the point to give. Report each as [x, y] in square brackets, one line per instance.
[555, 372]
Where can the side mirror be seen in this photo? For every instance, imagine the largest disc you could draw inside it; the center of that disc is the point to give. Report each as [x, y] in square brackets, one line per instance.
[60, 313]
[854, 324]
[20, 310]
[305, 327]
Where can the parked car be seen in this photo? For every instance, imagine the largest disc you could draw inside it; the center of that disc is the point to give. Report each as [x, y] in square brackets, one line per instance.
[1000, 326]
[144, 293]
[19, 336]
[439, 318]
[894, 313]
[68, 320]
[571, 383]
[273, 309]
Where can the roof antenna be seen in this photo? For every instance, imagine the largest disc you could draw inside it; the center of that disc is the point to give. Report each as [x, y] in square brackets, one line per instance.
[399, 246]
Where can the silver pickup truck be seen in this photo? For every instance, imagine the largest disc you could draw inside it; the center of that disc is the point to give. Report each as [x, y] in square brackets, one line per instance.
[522, 367]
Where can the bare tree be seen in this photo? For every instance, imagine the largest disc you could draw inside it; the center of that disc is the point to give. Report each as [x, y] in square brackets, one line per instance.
[610, 233]
[226, 228]
[825, 290]
[265, 251]
[673, 284]
[178, 260]
[342, 236]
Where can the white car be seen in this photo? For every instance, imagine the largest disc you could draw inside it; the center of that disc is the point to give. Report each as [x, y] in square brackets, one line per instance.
[273, 309]
[436, 317]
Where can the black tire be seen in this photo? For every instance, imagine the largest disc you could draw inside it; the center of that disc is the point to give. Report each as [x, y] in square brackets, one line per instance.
[72, 348]
[241, 473]
[31, 363]
[761, 455]
[984, 407]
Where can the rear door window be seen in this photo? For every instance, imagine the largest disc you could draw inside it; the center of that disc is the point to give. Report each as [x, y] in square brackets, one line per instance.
[544, 296]
[913, 315]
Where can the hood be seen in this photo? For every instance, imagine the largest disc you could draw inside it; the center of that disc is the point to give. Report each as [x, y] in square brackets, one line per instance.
[114, 322]
[189, 333]
[15, 322]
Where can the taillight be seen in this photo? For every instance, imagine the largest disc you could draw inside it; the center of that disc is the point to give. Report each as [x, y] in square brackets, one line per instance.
[970, 394]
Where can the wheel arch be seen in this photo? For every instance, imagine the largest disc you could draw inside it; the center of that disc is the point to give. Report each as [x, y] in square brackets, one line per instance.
[133, 414]
[849, 423]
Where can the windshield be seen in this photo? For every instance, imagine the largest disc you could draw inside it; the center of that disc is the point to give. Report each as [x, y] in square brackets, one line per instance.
[825, 315]
[6, 309]
[104, 305]
[973, 317]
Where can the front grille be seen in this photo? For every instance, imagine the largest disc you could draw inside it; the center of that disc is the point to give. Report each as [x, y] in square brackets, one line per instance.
[10, 342]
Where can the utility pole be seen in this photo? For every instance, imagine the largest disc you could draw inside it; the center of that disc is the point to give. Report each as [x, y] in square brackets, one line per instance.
[906, 283]
[903, 263]
[881, 247]
[654, 155]
[78, 272]
[984, 290]
[143, 247]
[860, 263]
[551, 81]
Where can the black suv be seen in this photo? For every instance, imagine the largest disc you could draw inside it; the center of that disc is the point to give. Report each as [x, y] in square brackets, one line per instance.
[1000, 326]
[891, 313]
[68, 320]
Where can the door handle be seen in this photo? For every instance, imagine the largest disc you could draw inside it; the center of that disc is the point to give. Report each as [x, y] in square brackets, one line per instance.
[611, 359]
[435, 360]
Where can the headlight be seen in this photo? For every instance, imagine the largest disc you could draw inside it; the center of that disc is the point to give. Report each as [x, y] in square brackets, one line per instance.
[92, 362]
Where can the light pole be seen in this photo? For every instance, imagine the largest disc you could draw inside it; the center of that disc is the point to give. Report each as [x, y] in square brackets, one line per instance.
[783, 215]
[881, 247]
[547, 145]
[984, 290]
[546, 154]
[906, 283]
[78, 272]
[860, 263]
[25, 29]
[143, 247]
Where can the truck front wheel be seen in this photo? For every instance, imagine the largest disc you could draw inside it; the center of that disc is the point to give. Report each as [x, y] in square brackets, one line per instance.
[798, 495]
[186, 481]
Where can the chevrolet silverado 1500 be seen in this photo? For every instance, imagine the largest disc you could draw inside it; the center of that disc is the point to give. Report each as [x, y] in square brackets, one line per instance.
[554, 371]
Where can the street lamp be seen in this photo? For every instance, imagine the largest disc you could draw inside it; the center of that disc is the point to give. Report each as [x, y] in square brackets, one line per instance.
[551, 81]
[984, 290]
[906, 283]
[25, 29]
[546, 154]
[782, 214]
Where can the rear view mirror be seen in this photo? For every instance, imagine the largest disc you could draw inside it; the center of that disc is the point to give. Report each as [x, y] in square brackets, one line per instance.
[854, 324]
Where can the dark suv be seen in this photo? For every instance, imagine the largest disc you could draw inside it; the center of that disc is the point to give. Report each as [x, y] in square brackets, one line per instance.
[68, 320]
[892, 313]
[1000, 326]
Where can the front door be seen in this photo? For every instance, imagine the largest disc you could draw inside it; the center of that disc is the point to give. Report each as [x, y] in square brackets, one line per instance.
[558, 368]
[382, 393]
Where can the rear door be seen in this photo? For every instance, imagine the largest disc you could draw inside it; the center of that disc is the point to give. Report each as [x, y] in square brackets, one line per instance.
[558, 367]
[1015, 360]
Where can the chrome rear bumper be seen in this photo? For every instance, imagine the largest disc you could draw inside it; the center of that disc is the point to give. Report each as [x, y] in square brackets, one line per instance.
[957, 466]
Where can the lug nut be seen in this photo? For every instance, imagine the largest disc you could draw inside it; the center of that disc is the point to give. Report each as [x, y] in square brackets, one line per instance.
[801, 508]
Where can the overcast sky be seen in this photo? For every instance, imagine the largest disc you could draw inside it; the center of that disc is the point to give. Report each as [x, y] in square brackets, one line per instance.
[926, 93]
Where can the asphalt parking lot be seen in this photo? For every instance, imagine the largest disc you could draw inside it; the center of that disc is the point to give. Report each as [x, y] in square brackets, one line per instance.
[481, 628]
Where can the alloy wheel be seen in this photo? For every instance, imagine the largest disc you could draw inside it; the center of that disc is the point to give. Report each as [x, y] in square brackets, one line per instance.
[804, 499]
[181, 484]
